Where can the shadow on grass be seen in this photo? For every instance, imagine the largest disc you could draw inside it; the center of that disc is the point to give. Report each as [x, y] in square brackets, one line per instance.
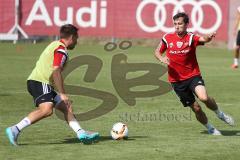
[75, 140]
[227, 132]
[4, 94]
[132, 138]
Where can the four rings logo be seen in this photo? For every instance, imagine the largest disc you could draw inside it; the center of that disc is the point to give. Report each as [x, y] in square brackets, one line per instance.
[196, 16]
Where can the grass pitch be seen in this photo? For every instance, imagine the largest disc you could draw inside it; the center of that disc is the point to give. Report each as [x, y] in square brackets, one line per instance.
[159, 127]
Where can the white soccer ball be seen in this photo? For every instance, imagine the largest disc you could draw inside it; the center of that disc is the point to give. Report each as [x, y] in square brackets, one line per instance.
[119, 131]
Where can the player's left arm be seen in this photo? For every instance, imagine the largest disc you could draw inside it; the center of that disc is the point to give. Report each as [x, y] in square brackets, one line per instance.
[207, 38]
[60, 59]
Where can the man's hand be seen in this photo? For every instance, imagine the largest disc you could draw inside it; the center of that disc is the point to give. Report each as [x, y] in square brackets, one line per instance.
[211, 35]
[65, 99]
[207, 38]
[164, 60]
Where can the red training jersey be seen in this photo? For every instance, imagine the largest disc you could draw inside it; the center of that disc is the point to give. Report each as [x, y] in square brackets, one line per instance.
[181, 52]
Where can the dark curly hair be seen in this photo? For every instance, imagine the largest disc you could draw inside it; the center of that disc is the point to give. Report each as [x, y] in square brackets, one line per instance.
[67, 30]
[182, 14]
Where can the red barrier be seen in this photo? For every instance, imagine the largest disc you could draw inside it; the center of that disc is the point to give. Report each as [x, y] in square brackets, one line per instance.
[112, 18]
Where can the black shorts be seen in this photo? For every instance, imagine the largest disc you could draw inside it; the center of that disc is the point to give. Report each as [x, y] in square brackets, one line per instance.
[42, 92]
[238, 38]
[185, 90]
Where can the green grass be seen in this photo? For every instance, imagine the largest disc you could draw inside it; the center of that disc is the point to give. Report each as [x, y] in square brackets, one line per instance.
[159, 127]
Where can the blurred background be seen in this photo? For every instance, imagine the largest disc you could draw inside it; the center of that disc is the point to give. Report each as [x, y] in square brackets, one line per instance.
[137, 19]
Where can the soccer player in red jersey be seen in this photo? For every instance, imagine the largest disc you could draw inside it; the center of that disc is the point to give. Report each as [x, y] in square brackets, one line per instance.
[45, 84]
[184, 73]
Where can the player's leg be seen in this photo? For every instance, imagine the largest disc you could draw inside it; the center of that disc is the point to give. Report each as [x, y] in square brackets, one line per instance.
[202, 118]
[210, 103]
[84, 136]
[69, 116]
[44, 110]
[200, 115]
[202, 95]
[236, 52]
[187, 98]
[43, 99]
[236, 57]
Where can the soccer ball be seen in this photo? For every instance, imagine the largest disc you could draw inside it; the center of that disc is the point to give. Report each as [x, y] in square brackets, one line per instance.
[119, 131]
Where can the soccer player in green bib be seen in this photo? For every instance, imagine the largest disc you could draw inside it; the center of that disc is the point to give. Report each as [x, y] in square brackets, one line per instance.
[42, 82]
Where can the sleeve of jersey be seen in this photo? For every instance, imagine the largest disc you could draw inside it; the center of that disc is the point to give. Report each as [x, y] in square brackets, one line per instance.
[60, 57]
[196, 40]
[162, 47]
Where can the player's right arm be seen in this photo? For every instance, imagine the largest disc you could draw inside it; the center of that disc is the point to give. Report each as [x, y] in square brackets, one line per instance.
[159, 53]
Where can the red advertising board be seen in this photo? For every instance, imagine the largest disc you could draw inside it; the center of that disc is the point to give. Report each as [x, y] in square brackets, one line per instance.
[112, 18]
[6, 15]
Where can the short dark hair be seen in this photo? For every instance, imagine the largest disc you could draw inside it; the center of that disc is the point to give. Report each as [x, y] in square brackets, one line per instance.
[182, 14]
[67, 30]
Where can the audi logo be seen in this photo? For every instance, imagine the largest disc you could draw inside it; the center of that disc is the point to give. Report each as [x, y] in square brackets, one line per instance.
[161, 15]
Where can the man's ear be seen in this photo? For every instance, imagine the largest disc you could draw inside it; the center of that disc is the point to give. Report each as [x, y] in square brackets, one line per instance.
[69, 39]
